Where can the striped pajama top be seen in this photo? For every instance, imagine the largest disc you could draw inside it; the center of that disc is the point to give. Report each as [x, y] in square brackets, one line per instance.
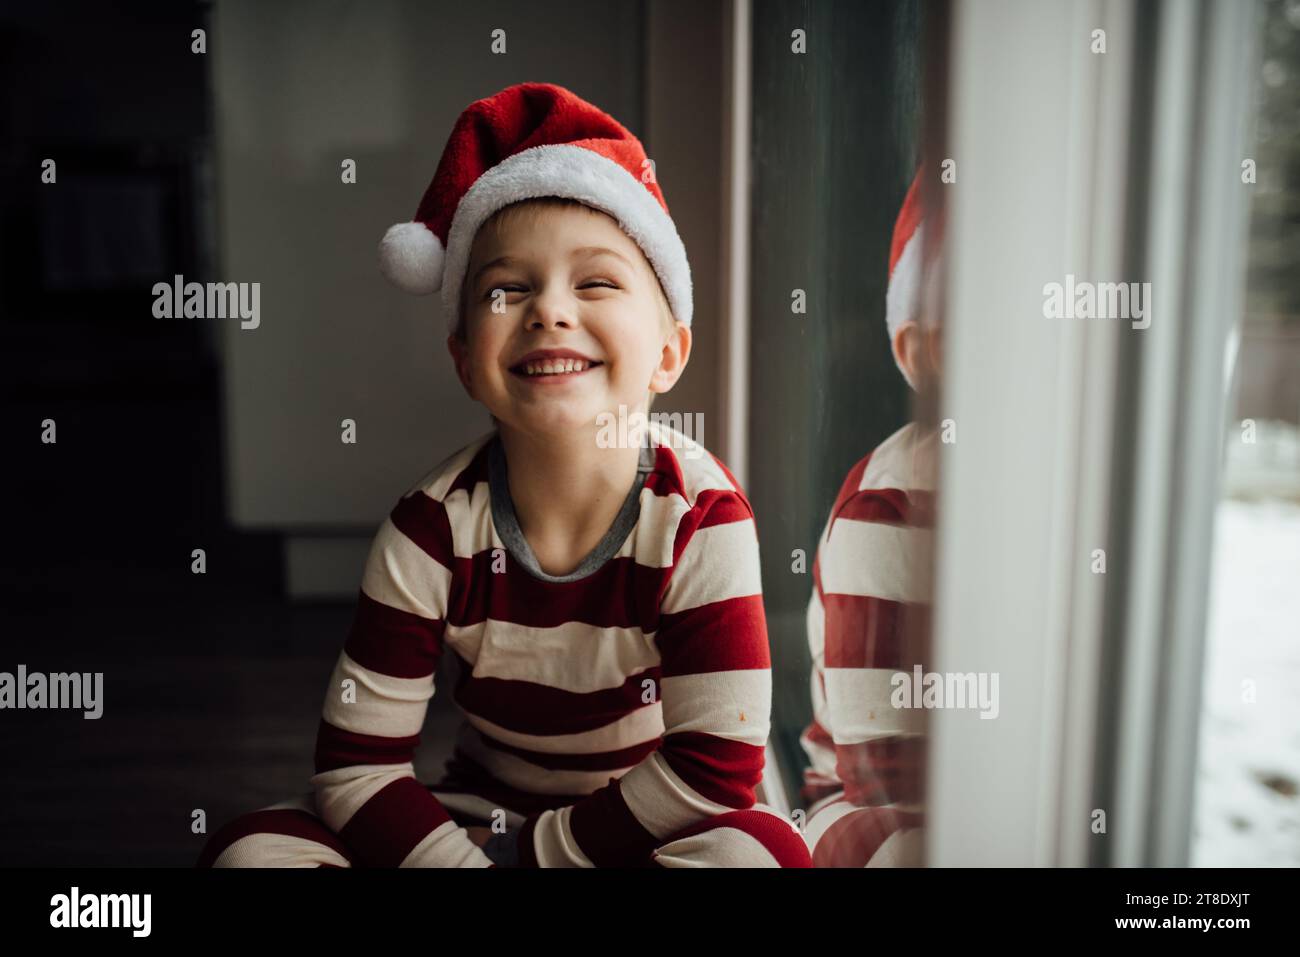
[867, 619]
[601, 711]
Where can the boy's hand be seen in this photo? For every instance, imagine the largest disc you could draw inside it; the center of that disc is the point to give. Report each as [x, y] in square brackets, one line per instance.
[479, 835]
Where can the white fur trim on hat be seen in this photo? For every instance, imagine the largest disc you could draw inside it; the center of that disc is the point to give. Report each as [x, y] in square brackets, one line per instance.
[572, 172]
[411, 256]
[903, 296]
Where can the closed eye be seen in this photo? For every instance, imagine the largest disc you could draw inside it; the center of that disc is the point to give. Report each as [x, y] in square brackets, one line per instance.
[515, 287]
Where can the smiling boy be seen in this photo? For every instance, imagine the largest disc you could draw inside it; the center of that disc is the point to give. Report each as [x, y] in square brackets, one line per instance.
[603, 604]
[598, 329]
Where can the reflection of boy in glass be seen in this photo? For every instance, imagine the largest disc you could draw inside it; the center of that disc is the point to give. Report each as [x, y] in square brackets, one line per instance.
[868, 614]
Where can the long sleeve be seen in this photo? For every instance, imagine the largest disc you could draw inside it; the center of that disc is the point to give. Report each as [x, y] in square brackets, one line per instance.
[865, 625]
[365, 784]
[716, 694]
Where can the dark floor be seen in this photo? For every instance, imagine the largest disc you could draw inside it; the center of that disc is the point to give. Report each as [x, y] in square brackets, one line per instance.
[213, 683]
[215, 711]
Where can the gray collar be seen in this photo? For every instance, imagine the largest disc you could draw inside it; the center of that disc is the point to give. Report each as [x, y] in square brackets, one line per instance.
[507, 524]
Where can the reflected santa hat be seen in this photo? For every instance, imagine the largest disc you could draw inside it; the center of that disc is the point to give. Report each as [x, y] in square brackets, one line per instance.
[913, 268]
[527, 141]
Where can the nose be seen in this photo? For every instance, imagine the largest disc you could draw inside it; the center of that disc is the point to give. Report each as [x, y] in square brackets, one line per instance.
[551, 308]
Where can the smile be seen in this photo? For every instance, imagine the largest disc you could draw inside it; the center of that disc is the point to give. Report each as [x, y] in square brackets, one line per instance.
[543, 369]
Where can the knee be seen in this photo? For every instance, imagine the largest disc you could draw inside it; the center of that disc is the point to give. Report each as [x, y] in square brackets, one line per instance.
[845, 835]
[779, 838]
[747, 838]
[230, 834]
[277, 837]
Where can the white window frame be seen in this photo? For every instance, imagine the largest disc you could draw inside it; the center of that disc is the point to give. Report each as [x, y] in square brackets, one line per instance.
[1067, 429]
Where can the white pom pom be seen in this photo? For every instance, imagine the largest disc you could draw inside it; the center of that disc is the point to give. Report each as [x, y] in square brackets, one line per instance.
[411, 257]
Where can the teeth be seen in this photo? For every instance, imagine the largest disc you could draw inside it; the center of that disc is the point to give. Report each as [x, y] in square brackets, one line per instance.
[555, 366]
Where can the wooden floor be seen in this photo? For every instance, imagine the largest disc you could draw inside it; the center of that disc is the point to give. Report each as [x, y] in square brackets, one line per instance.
[217, 713]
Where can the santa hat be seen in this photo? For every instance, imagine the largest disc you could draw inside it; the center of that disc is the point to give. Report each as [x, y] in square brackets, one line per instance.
[903, 296]
[532, 140]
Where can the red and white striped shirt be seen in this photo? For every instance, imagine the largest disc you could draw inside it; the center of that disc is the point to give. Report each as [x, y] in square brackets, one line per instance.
[867, 620]
[600, 714]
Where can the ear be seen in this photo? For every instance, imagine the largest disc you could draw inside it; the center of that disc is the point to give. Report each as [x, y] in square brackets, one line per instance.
[907, 349]
[673, 358]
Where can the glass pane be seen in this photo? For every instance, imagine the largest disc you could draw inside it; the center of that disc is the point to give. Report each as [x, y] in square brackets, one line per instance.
[1248, 783]
[835, 133]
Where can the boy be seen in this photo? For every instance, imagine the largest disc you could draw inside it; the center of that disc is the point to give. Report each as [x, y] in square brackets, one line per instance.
[868, 614]
[603, 603]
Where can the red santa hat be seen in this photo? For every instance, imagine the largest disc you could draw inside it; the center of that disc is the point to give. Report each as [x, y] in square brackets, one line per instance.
[532, 140]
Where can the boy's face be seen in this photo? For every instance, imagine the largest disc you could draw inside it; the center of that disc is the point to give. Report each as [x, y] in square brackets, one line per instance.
[570, 279]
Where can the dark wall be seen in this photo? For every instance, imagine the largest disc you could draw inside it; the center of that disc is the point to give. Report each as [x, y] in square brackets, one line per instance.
[121, 104]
